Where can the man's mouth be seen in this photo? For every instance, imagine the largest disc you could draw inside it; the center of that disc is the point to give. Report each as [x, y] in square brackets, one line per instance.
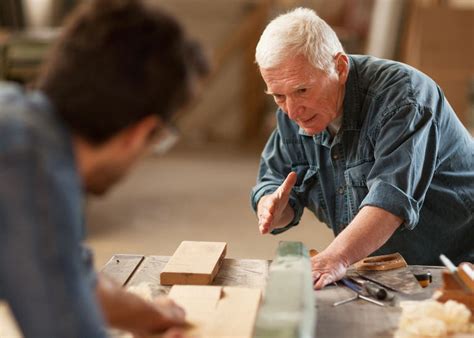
[308, 120]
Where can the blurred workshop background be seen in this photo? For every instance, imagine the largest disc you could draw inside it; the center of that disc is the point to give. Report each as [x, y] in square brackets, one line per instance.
[199, 190]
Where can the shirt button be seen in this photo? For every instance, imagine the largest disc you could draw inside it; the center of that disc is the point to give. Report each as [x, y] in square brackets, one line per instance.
[340, 190]
[335, 156]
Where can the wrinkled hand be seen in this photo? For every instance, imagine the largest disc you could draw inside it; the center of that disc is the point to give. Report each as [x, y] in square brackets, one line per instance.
[327, 269]
[271, 207]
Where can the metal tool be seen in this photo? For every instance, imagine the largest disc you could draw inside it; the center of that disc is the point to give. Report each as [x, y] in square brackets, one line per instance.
[357, 289]
[390, 271]
[424, 278]
[372, 289]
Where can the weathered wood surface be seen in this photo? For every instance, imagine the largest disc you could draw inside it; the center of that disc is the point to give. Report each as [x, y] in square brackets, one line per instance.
[355, 319]
[122, 267]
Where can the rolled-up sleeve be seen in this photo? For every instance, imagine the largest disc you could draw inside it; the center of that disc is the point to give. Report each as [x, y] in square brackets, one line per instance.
[405, 155]
[275, 166]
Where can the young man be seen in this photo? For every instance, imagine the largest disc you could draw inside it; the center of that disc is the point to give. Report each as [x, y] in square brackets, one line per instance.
[116, 76]
[371, 146]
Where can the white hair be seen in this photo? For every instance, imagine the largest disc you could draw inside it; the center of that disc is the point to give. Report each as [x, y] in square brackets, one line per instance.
[298, 32]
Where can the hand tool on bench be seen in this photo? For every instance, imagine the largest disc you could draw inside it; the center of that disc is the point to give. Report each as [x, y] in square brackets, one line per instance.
[358, 290]
[467, 284]
[390, 271]
[374, 290]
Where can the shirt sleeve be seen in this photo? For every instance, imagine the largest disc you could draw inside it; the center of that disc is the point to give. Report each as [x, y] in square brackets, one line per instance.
[42, 271]
[405, 151]
[275, 166]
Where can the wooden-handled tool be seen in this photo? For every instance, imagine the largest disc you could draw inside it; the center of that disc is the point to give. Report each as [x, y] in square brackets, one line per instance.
[461, 275]
[384, 262]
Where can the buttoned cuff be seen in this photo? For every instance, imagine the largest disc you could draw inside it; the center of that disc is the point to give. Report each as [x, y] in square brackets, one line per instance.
[258, 192]
[392, 199]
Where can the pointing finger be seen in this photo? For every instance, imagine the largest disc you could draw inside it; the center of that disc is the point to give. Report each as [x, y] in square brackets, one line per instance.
[289, 183]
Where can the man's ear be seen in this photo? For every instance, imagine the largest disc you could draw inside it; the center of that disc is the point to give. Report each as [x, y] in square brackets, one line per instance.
[138, 134]
[342, 66]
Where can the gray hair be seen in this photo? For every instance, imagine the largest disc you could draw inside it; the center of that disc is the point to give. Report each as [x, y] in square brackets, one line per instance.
[298, 32]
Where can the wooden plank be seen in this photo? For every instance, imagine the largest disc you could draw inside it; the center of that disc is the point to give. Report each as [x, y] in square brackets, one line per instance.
[236, 313]
[250, 273]
[216, 311]
[121, 267]
[194, 263]
[288, 309]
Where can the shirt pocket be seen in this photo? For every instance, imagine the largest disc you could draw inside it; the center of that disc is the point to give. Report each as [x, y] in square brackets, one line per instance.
[356, 183]
[309, 192]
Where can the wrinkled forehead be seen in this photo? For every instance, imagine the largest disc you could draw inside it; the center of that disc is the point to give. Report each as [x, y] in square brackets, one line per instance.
[293, 73]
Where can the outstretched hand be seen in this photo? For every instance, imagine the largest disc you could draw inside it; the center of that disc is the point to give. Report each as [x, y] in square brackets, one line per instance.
[272, 210]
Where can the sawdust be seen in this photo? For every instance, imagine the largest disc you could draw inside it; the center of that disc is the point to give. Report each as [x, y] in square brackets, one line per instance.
[429, 318]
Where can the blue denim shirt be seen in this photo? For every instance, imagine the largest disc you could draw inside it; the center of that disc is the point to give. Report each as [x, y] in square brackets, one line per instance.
[400, 148]
[46, 274]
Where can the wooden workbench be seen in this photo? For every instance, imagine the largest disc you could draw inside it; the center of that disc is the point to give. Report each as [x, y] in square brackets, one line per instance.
[354, 319]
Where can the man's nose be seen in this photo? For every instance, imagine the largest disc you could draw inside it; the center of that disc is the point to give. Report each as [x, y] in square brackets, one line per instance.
[293, 108]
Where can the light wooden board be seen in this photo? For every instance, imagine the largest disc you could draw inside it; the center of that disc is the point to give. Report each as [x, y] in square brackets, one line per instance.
[218, 312]
[194, 263]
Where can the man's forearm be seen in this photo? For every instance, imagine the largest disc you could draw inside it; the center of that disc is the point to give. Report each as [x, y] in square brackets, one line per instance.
[369, 230]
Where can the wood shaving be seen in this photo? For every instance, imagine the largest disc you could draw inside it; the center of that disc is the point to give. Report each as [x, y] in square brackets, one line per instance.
[429, 318]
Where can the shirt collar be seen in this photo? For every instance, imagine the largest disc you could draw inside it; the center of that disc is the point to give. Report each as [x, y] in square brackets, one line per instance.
[352, 112]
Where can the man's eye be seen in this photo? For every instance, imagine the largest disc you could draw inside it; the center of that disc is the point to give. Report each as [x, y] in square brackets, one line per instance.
[279, 97]
[301, 90]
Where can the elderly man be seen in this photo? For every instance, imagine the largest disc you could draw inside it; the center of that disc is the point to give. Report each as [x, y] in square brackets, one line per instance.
[118, 73]
[372, 147]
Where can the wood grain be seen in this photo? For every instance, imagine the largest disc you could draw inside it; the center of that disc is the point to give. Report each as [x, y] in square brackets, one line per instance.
[216, 311]
[194, 263]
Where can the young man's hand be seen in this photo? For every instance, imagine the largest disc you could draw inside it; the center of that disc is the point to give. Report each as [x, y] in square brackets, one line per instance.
[171, 313]
[273, 211]
[128, 311]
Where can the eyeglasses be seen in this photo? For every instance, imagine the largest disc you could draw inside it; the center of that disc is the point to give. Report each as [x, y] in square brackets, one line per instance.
[164, 138]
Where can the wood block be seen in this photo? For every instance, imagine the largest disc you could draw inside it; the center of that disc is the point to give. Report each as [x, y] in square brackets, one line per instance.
[217, 311]
[288, 309]
[451, 290]
[194, 263]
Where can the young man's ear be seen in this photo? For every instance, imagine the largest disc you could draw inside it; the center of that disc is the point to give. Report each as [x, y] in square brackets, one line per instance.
[138, 134]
